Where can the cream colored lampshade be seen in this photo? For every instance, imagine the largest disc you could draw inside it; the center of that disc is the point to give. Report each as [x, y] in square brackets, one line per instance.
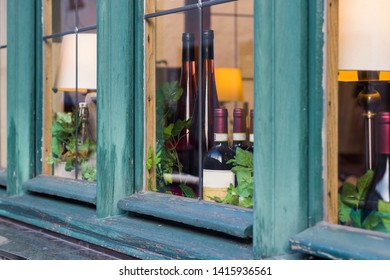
[229, 84]
[364, 35]
[65, 79]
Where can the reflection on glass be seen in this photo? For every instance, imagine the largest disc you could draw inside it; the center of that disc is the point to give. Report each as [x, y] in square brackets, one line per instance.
[72, 140]
[3, 85]
[173, 167]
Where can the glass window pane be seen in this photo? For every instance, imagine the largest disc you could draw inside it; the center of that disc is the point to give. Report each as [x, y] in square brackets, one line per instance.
[3, 84]
[70, 103]
[364, 116]
[173, 153]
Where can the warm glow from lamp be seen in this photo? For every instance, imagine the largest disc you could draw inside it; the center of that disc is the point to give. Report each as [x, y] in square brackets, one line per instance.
[229, 84]
[66, 74]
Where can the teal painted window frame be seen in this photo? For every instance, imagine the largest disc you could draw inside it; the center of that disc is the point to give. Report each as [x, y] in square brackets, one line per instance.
[120, 161]
[289, 99]
[3, 171]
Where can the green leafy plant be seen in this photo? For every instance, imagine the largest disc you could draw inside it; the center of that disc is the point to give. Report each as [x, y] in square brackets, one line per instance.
[165, 158]
[242, 194]
[64, 144]
[351, 206]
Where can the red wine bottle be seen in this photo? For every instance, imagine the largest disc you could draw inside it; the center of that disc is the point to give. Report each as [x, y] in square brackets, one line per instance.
[183, 142]
[208, 95]
[251, 135]
[380, 186]
[217, 174]
[185, 104]
[239, 129]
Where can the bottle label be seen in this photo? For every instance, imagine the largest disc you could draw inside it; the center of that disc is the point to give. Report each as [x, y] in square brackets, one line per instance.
[251, 138]
[239, 136]
[216, 183]
[220, 137]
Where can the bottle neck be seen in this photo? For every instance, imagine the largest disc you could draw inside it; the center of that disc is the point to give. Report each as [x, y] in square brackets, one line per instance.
[208, 50]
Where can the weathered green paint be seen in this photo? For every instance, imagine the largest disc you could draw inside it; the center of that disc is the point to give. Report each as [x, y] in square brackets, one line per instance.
[139, 96]
[38, 87]
[316, 103]
[341, 242]
[78, 190]
[137, 237]
[21, 88]
[227, 219]
[115, 98]
[281, 118]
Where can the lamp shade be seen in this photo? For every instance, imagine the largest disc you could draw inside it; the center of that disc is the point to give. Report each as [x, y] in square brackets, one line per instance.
[364, 35]
[229, 84]
[65, 79]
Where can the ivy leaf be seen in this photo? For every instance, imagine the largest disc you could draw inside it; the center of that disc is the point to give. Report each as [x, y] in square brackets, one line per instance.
[69, 165]
[371, 221]
[243, 158]
[245, 184]
[168, 130]
[56, 147]
[63, 117]
[179, 126]
[356, 217]
[187, 191]
[344, 213]
[363, 183]
[246, 202]
[384, 210]
[149, 161]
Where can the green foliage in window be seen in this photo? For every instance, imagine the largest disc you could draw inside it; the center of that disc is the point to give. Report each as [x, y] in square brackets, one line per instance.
[242, 194]
[64, 145]
[165, 160]
[351, 206]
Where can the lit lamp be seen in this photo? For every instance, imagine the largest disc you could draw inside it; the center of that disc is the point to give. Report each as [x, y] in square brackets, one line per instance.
[364, 53]
[85, 82]
[229, 84]
[65, 79]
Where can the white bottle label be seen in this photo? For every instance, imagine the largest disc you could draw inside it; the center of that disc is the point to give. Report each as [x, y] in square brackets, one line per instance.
[216, 183]
[239, 136]
[220, 137]
[251, 137]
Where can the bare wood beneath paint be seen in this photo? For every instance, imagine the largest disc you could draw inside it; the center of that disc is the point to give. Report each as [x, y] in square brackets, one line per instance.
[150, 87]
[332, 112]
[47, 86]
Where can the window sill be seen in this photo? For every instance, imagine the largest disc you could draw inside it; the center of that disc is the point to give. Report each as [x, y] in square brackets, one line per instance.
[231, 220]
[133, 236]
[340, 242]
[62, 187]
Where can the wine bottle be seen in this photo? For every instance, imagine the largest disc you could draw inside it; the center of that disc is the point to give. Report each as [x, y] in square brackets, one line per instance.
[251, 135]
[217, 174]
[208, 94]
[185, 104]
[182, 113]
[379, 189]
[239, 129]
